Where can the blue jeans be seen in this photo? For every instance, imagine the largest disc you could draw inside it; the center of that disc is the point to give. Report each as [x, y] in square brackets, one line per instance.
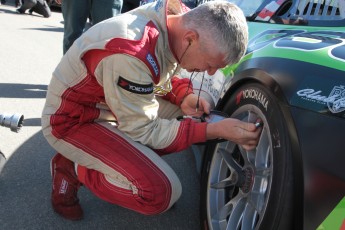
[76, 12]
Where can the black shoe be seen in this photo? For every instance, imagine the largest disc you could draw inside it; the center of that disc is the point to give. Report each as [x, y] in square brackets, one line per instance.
[19, 11]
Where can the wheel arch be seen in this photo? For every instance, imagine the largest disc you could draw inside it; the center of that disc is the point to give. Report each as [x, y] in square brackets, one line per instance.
[248, 76]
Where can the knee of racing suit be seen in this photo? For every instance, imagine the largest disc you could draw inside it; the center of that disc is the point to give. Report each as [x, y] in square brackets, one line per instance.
[148, 197]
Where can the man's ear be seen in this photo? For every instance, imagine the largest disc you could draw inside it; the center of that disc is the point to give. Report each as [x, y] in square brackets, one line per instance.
[191, 36]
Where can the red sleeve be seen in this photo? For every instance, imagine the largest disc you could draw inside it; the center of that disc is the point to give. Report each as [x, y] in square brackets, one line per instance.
[190, 132]
[181, 87]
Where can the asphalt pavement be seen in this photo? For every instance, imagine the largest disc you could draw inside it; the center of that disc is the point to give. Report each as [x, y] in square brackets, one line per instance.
[30, 48]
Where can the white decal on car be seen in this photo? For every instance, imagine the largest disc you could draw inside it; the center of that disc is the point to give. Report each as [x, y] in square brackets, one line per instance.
[338, 105]
[335, 101]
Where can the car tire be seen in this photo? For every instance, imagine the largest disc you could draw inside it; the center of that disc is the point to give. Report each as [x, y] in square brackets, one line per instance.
[250, 189]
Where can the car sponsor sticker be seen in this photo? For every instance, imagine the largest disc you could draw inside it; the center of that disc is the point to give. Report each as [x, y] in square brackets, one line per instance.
[321, 98]
[336, 104]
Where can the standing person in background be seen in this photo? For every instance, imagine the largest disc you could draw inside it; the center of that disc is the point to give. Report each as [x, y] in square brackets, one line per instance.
[129, 5]
[76, 12]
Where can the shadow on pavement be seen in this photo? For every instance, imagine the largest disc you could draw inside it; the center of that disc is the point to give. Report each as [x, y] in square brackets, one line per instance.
[25, 196]
[32, 122]
[51, 29]
[13, 90]
[2, 10]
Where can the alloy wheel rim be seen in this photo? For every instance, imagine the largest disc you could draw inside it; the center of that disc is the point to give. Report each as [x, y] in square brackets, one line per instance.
[239, 180]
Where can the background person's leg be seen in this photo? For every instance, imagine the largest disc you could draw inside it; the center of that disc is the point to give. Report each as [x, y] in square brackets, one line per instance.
[18, 3]
[27, 4]
[42, 8]
[104, 9]
[129, 5]
[75, 14]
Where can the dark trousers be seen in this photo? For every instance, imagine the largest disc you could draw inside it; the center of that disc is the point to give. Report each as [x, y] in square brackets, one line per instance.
[38, 6]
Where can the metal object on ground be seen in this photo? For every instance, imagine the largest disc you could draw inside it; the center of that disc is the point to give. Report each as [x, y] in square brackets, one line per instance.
[12, 121]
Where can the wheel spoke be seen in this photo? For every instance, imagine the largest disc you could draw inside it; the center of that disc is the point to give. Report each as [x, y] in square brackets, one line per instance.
[228, 182]
[252, 117]
[249, 156]
[223, 213]
[236, 216]
[262, 151]
[229, 160]
[229, 146]
[263, 172]
[250, 217]
[259, 191]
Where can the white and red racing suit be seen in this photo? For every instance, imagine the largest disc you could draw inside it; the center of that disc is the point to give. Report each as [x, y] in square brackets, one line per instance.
[102, 114]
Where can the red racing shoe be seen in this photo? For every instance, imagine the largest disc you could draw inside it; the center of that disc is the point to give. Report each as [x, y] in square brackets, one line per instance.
[65, 188]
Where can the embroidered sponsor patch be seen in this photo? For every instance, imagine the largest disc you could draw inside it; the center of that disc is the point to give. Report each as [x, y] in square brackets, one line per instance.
[63, 186]
[152, 62]
[134, 87]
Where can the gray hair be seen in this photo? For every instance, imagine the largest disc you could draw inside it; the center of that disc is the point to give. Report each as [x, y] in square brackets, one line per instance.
[221, 25]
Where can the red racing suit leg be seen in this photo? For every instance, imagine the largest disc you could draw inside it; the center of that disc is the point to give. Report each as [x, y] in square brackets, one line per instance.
[119, 170]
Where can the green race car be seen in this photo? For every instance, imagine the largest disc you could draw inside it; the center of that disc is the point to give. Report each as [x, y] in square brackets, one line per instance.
[293, 79]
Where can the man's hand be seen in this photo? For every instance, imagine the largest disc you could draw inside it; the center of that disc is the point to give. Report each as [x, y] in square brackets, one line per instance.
[58, 1]
[189, 105]
[242, 133]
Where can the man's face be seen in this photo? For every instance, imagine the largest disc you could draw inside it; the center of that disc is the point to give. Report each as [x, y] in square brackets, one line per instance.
[196, 59]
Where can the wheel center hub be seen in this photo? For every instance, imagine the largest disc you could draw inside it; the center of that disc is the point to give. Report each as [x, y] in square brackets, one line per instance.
[248, 179]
